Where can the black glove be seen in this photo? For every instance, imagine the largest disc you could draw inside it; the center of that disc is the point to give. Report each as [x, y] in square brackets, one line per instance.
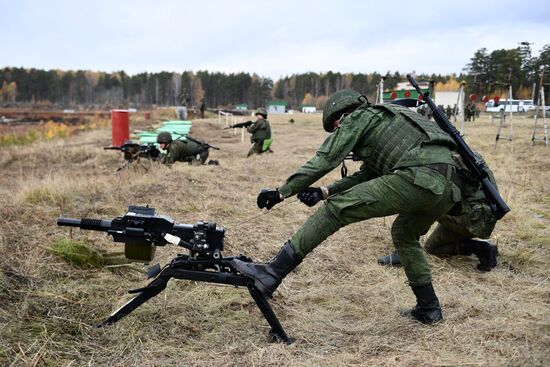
[310, 196]
[268, 198]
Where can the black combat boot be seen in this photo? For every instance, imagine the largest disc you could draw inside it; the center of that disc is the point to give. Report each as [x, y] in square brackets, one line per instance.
[390, 260]
[485, 251]
[427, 309]
[267, 277]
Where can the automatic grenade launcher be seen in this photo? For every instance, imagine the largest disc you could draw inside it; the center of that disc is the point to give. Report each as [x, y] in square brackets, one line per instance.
[141, 230]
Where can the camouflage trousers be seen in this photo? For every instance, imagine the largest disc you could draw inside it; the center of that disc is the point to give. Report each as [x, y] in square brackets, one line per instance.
[417, 208]
[259, 147]
[476, 221]
[198, 158]
[446, 238]
[255, 149]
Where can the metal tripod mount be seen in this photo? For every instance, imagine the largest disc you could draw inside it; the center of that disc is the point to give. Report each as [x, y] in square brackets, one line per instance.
[201, 270]
[141, 230]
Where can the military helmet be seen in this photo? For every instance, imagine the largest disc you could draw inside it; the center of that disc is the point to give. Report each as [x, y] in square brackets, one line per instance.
[261, 111]
[164, 137]
[343, 101]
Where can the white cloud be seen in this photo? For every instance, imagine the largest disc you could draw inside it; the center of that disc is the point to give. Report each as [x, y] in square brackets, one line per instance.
[271, 38]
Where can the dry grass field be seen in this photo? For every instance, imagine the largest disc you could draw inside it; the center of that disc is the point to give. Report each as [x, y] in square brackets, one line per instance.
[340, 306]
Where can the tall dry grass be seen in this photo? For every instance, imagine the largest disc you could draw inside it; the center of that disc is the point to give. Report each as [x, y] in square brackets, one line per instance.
[340, 306]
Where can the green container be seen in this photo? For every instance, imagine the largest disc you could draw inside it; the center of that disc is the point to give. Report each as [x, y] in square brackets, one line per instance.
[147, 137]
[177, 122]
[178, 129]
[175, 130]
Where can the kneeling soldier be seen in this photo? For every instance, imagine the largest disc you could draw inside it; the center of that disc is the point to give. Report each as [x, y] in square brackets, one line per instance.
[261, 133]
[456, 230]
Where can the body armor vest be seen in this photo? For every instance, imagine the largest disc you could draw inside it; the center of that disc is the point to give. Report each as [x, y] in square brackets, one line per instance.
[400, 138]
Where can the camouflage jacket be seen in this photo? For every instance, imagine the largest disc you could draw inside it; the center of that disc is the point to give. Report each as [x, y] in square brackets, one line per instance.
[181, 150]
[260, 130]
[387, 138]
[473, 211]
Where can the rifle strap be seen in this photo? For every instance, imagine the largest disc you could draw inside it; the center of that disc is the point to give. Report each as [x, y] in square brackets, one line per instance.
[344, 169]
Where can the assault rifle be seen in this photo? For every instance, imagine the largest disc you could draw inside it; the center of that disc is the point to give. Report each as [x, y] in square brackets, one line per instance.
[134, 152]
[141, 230]
[240, 125]
[474, 164]
[204, 144]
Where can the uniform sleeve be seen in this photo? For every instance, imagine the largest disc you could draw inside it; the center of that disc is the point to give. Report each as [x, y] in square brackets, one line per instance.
[349, 181]
[168, 158]
[176, 152]
[163, 158]
[255, 126]
[331, 153]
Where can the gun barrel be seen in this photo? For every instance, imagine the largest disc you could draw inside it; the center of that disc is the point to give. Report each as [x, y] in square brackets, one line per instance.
[85, 223]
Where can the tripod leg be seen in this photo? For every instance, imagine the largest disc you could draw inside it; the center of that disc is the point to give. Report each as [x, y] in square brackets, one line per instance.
[277, 331]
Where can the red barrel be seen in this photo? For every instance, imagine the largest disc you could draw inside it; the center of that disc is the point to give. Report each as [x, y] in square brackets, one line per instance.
[121, 127]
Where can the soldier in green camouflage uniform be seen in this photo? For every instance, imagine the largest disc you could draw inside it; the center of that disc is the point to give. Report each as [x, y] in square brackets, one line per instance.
[261, 133]
[408, 169]
[181, 150]
[456, 230]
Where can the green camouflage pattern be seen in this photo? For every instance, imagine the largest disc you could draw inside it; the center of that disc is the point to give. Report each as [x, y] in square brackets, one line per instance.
[164, 137]
[409, 140]
[185, 151]
[339, 103]
[417, 210]
[396, 148]
[471, 217]
[261, 132]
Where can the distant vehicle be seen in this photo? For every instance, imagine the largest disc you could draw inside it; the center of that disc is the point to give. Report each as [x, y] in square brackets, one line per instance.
[518, 105]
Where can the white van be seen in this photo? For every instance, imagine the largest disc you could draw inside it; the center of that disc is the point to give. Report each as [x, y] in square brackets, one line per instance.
[518, 105]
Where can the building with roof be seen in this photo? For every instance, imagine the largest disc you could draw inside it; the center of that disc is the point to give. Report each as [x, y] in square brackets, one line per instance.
[308, 108]
[277, 107]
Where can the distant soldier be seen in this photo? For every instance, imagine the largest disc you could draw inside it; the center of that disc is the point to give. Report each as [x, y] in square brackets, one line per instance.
[474, 112]
[448, 111]
[469, 112]
[261, 133]
[181, 150]
[202, 108]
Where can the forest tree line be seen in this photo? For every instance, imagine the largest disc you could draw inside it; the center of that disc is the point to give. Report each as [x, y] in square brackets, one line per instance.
[487, 73]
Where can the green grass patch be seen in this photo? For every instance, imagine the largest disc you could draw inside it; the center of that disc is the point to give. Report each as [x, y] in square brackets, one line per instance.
[18, 139]
[43, 195]
[81, 254]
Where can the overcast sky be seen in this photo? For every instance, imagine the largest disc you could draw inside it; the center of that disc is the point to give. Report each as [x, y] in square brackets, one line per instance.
[271, 38]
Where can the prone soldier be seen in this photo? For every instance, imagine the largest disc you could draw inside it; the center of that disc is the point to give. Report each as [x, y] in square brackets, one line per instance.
[188, 150]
